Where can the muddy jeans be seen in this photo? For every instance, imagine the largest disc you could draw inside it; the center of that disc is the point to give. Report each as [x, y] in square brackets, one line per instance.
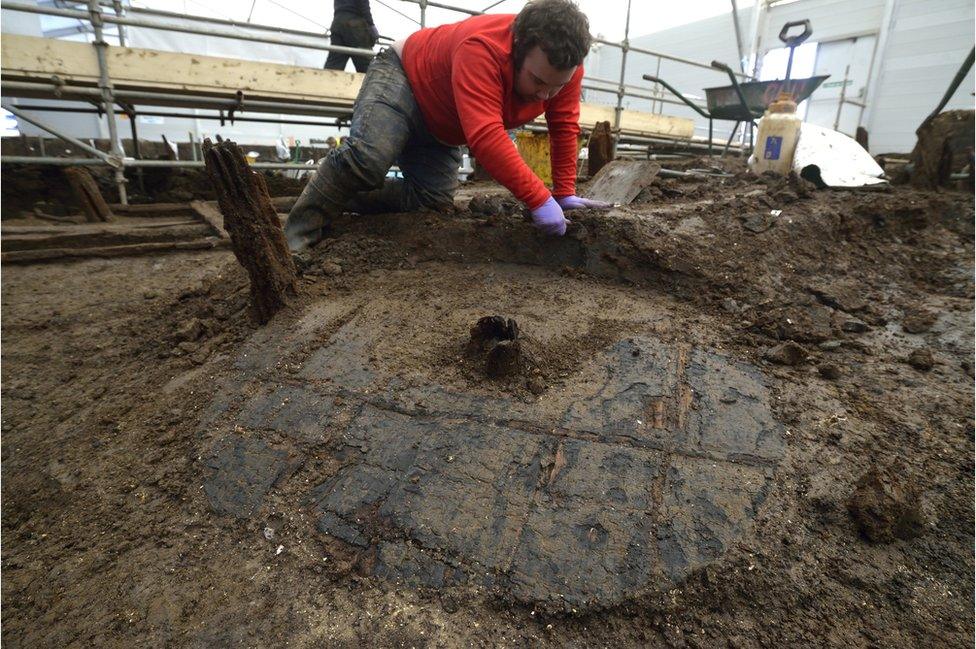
[387, 128]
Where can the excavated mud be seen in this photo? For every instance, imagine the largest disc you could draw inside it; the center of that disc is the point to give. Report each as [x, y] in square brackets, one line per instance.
[742, 417]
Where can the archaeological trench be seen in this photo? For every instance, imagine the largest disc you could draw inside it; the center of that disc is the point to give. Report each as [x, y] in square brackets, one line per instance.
[737, 411]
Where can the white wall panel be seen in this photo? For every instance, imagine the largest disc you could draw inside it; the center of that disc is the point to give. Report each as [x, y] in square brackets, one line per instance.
[929, 40]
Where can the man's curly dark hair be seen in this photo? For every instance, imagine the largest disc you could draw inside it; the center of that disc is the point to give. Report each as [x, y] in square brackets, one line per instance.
[558, 27]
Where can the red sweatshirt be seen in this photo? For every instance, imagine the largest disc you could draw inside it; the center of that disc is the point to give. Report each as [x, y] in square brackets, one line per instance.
[463, 77]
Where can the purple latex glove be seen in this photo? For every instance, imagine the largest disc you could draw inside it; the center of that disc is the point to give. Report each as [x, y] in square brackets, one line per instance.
[549, 218]
[575, 203]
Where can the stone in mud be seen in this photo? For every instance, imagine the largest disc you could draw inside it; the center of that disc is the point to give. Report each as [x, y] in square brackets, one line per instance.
[886, 506]
[536, 385]
[192, 330]
[968, 367]
[804, 323]
[916, 322]
[852, 325]
[921, 359]
[331, 269]
[244, 471]
[829, 371]
[758, 223]
[788, 353]
[845, 297]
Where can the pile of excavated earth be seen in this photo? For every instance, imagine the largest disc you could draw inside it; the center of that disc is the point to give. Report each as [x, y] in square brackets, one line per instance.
[735, 412]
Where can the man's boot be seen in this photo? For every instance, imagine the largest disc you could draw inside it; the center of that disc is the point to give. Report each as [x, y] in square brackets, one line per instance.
[309, 218]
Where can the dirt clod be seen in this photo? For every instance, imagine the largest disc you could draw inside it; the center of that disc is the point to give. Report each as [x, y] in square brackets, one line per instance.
[496, 339]
[829, 371]
[493, 205]
[788, 353]
[331, 269]
[918, 321]
[886, 506]
[536, 385]
[921, 359]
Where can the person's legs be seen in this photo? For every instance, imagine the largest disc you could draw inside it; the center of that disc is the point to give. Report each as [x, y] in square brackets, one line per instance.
[337, 36]
[350, 30]
[430, 178]
[430, 171]
[384, 115]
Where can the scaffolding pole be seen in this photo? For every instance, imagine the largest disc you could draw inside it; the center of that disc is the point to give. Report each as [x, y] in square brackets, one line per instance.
[122, 17]
[108, 102]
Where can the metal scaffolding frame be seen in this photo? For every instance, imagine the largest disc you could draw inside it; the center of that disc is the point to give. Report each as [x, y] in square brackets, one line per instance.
[106, 97]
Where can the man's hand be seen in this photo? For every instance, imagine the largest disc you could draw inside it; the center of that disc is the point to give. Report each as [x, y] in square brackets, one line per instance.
[375, 33]
[575, 203]
[549, 218]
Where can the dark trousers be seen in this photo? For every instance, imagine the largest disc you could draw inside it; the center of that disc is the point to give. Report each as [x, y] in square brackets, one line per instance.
[387, 128]
[349, 30]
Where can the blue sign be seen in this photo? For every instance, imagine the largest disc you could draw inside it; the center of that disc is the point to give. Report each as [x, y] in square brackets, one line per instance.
[774, 144]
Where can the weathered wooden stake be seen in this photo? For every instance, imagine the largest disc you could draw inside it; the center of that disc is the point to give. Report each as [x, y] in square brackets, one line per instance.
[600, 148]
[255, 231]
[89, 197]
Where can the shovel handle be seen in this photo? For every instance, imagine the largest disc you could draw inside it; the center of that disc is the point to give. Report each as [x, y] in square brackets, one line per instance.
[793, 41]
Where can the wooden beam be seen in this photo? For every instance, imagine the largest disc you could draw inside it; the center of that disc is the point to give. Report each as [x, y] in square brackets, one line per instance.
[210, 213]
[28, 58]
[57, 254]
[86, 191]
[79, 237]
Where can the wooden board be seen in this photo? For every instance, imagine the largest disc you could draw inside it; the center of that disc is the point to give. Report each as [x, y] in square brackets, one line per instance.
[94, 236]
[635, 122]
[28, 58]
[622, 180]
[57, 254]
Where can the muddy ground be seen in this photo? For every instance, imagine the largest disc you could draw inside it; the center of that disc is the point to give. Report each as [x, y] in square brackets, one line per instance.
[112, 369]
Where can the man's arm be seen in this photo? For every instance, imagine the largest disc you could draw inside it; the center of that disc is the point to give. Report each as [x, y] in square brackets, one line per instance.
[477, 85]
[562, 117]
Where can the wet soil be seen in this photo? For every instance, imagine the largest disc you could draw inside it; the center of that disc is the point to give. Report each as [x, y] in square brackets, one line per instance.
[117, 534]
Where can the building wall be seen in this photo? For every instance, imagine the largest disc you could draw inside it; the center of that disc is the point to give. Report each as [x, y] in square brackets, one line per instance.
[703, 41]
[927, 41]
[830, 19]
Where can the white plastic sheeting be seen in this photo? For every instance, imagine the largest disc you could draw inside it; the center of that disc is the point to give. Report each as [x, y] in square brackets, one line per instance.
[833, 159]
[841, 161]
